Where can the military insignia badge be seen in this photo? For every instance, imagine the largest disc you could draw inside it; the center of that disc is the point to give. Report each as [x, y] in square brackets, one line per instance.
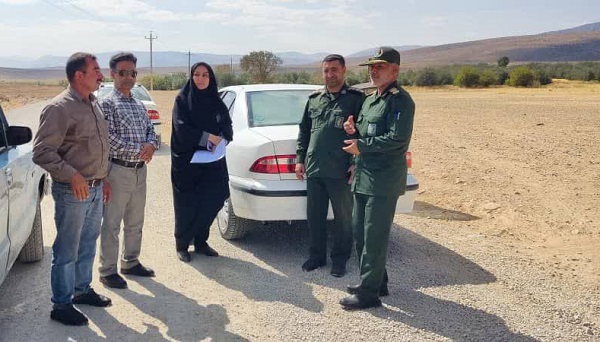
[372, 129]
[339, 122]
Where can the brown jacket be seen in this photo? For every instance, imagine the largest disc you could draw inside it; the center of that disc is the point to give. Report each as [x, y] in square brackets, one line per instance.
[73, 137]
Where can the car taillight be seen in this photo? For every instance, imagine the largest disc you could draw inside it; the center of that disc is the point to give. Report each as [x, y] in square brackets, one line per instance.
[153, 114]
[409, 160]
[275, 164]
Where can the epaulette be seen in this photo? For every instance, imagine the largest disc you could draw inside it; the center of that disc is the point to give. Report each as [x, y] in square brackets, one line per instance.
[316, 92]
[355, 90]
[393, 91]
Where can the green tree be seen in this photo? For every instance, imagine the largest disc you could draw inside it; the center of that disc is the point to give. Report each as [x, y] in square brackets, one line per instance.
[260, 65]
[521, 77]
[467, 77]
[503, 62]
[488, 77]
[427, 77]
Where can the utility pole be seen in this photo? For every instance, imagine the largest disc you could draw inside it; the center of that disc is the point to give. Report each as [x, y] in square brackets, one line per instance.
[151, 38]
[189, 64]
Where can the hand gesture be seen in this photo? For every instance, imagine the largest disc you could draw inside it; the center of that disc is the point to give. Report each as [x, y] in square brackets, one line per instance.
[349, 126]
[352, 147]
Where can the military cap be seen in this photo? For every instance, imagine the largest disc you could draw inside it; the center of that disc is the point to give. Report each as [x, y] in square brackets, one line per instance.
[384, 54]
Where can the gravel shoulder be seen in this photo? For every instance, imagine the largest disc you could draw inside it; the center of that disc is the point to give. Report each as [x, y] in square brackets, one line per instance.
[502, 245]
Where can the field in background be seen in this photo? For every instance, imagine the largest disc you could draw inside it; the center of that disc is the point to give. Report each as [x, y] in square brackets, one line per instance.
[17, 94]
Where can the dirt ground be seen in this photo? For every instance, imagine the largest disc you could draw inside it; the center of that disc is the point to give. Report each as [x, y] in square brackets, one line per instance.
[14, 95]
[519, 164]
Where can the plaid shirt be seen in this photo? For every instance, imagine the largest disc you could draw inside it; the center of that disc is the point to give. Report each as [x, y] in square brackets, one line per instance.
[128, 126]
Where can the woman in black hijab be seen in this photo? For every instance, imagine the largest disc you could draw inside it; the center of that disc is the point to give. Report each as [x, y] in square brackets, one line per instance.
[200, 121]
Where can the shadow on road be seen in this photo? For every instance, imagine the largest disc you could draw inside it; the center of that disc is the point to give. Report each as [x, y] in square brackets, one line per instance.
[414, 262]
[423, 209]
[184, 318]
[267, 286]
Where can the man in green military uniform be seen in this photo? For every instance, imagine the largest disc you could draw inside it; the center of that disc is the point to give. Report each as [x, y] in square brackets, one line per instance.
[384, 130]
[325, 165]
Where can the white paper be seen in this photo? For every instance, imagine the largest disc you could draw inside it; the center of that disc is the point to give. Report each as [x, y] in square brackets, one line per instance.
[203, 157]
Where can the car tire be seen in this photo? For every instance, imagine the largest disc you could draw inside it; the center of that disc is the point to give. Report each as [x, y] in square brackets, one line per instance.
[33, 250]
[232, 227]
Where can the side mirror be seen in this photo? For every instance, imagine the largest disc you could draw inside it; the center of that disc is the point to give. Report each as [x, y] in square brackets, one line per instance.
[18, 135]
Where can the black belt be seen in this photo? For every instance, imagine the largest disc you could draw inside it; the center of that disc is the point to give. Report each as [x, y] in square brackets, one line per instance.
[93, 182]
[134, 165]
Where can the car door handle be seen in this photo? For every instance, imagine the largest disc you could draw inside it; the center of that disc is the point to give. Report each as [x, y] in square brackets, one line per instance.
[9, 177]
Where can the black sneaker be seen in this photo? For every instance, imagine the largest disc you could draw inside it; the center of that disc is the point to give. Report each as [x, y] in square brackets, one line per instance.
[383, 290]
[93, 299]
[115, 281]
[139, 270]
[313, 264]
[206, 250]
[338, 270]
[68, 315]
[355, 302]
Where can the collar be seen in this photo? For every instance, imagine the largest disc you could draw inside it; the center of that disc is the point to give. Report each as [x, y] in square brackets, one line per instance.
[123, 96]
[390, 89]
[77, 96]
[342, 91]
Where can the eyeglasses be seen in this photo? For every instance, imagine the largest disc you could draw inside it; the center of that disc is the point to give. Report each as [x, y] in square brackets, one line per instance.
[125, 73]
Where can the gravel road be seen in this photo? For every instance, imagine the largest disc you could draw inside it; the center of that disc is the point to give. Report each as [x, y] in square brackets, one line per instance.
[451, 279]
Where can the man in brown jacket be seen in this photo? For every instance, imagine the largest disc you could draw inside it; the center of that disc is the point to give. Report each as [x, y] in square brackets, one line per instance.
[72, 145]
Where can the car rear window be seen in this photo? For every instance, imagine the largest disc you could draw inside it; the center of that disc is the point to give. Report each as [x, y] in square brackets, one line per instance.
[276, 107]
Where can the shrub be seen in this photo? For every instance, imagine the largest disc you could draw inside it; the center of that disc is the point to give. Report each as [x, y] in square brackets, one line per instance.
[426, 78]
[521, 77]
[467, 77]
[488, 78]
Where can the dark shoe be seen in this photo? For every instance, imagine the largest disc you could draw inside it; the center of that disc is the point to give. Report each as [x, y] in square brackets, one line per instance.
[115, 281]
[312, 264]
[338, 270]
[353, 289]
[68, 315]
[139, 270]
[93, 299]
[206, 250]
[184, 256]
[356, 303]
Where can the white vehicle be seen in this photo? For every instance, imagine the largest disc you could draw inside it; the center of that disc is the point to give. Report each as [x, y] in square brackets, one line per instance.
[142, 94]
[262, 157]
[22, 186]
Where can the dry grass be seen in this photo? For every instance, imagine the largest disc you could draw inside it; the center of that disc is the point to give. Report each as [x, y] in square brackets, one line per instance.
[17, 94]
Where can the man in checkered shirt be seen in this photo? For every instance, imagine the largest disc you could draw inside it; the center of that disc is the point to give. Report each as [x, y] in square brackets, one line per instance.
[132, 144]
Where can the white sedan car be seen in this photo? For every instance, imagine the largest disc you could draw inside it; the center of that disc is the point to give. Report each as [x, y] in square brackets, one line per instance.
[142, 94]
[262, 157]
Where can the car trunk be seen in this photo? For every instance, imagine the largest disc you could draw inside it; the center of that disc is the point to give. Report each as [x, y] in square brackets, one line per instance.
[283, 139]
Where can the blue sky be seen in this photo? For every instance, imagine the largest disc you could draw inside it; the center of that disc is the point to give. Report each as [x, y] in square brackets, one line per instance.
[32, 28]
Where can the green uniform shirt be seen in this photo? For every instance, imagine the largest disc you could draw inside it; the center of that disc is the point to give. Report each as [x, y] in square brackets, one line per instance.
[384, 127]
[321, 136]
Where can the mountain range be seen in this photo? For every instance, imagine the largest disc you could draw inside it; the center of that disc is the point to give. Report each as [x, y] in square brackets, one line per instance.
[580, 43]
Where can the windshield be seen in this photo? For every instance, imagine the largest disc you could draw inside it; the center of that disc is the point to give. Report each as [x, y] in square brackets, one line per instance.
[138, 92]
[276, 107]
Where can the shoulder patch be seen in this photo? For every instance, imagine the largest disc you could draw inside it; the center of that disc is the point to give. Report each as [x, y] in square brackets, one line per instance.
[316, 92]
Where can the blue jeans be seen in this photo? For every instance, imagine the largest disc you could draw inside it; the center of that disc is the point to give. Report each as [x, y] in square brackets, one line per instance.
[74, 249]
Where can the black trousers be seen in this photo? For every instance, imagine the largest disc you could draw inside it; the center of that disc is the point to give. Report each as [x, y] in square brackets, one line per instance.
[320, 192]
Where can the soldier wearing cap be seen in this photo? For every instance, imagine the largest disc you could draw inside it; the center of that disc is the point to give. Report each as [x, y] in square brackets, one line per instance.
[384, 130]
[325, 165]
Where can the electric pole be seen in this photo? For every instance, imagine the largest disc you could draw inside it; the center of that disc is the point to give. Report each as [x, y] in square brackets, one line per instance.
[189, 64]
[151, 38]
